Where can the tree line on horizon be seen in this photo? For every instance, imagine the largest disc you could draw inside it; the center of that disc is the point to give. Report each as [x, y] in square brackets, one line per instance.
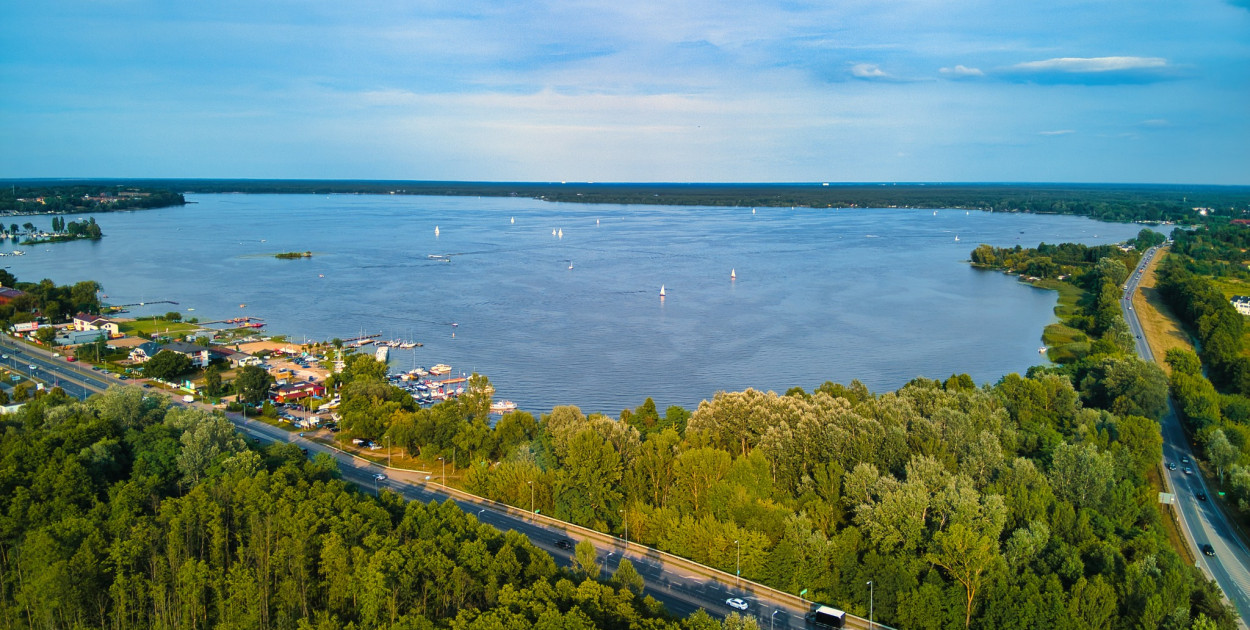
[1108, 202]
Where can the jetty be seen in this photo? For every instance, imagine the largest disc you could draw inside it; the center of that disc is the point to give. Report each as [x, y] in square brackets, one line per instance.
[143, 303]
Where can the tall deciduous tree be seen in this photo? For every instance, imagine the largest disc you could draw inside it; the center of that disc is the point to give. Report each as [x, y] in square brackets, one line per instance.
[966, 556]
[167, 366]
[252, 384]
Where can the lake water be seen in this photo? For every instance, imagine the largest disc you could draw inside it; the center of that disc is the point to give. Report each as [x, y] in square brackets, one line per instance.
[882, 295]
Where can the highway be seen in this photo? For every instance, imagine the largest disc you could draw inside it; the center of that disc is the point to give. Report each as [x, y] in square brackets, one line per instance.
[1203, 522]
[680, 586]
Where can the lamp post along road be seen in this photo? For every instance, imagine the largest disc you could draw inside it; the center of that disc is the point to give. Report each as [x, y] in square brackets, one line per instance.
[870, 623]
[738, 562]
[444, 462]
[531, 484]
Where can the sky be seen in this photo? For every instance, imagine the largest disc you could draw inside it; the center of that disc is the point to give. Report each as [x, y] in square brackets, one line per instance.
[1125, 91]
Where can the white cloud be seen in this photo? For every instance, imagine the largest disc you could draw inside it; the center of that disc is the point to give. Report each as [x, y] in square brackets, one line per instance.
[1092, 64]
[868, 71]
[1095, 70]
[962, 71]
[1056, 132]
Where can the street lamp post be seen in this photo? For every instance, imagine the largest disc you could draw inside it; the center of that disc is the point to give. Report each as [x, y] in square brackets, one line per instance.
[738, 564]
[770, 619]
[444, 470]
[870, 623]
[531, 484]
[388, 449]
[625, 519]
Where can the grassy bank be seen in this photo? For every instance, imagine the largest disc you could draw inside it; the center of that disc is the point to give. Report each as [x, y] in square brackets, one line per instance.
[1161, 327]
[1063, 342]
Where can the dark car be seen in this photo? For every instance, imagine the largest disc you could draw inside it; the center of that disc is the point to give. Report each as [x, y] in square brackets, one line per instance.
[564, 543]
[1184, 459]
[1207, 549]
[1202, 496]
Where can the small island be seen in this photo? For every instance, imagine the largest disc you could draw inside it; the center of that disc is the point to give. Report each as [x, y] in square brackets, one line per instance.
[286, 255]
[60, 233]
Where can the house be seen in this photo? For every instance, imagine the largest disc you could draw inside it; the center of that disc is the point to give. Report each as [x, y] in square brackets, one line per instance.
[144, 351]
[235, 357]
[297, 391]
[83, 321]
[197, 354]
[8, 295]
[1241, 303]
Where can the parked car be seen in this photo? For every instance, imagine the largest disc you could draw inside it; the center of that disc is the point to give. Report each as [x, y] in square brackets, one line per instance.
[735, 602]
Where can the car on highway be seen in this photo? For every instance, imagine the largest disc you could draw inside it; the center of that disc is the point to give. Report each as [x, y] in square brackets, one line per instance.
[1171, 465]
[1208, 550]
[1184, 459]
[564, 543]
[735, 602]
[379, 477]
[1188, 470]
[1202, 496]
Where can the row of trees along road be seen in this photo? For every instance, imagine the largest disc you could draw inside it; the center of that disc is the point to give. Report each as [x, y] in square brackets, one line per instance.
[1019, 505]
[1216, 412]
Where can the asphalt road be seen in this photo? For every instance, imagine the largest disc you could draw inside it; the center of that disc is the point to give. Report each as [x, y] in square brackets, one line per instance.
[681, 591]
[1202, 522]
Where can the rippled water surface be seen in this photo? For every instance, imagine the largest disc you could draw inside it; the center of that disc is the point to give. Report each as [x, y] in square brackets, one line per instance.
[882, 295]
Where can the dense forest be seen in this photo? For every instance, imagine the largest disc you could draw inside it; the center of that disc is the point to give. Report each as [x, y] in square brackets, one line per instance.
[1101, 201]
[123, 512]
[41, 197]
[1217, 250]
[1019, 505]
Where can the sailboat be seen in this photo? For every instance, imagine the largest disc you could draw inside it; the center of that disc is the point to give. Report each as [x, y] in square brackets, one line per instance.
[514, 220]
[561, 233]
[661, 291]
[733, 274]
[570, 264]
[956, 238]
[436, 230]
[752, 210]
[553, 232]
[596, 221]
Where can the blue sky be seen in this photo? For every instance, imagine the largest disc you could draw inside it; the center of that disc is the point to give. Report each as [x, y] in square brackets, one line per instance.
[761, 91]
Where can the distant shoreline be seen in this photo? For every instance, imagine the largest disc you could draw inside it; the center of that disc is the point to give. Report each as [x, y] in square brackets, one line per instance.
[1107, 202]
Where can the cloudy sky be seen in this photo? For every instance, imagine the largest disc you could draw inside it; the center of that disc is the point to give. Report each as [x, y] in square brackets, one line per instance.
[639, 90]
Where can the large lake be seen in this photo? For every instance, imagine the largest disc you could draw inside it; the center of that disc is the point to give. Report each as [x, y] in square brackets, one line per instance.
[882, 295]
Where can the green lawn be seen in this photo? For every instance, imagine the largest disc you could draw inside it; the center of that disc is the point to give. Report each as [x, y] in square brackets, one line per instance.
[145, 327]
